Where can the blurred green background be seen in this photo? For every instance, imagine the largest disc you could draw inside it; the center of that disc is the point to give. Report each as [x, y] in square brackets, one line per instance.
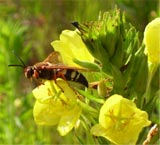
[27, 27]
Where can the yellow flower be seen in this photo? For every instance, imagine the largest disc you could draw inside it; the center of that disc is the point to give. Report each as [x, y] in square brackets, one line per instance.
[72, 47]
[152, 41]
[52, 107]
[120, 121]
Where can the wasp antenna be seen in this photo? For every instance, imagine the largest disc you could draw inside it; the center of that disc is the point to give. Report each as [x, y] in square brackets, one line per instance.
[23, 64]
[16, 65]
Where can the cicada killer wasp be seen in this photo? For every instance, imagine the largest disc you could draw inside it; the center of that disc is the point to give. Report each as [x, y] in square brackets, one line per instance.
[51, 69]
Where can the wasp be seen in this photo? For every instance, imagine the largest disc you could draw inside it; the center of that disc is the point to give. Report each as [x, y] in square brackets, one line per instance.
[51, 69]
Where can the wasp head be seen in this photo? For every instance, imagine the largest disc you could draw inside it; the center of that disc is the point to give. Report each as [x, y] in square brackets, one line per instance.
[28, 72]
[31, 72]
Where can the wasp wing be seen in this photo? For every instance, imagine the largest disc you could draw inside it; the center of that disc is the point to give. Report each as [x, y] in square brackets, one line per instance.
[54, 58]
[55, 62]
[61, 66]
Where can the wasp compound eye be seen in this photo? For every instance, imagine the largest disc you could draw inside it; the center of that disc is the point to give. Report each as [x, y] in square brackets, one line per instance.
[29, 72]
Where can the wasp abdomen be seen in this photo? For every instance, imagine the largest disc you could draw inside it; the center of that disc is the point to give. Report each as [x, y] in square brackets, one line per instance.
[73, 75]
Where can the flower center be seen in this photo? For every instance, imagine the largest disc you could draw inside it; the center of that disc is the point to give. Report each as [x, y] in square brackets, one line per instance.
[119, 121]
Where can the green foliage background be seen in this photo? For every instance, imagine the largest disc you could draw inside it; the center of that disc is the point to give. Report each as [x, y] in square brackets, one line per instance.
[27, 27]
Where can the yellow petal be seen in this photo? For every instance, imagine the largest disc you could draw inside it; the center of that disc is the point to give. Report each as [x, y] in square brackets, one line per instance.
[98, 130]
[152, 40]
[45, 91]
[69, 120]
[51, 109]
[67, 90]
[70, 47]
[121, 120]
[47, 113]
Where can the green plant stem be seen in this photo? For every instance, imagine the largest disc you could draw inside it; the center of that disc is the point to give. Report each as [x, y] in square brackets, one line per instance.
[152, 70]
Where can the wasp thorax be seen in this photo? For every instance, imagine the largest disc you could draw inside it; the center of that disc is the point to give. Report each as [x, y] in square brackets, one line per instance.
[29, 71]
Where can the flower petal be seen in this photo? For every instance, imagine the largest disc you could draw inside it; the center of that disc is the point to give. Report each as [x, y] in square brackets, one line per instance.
[46, 114]
[69, 120]
[49, 105]
[98, 130]
[121, 120]
[71, 46]
[152, 40]
[67, 90]
[45, 91]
